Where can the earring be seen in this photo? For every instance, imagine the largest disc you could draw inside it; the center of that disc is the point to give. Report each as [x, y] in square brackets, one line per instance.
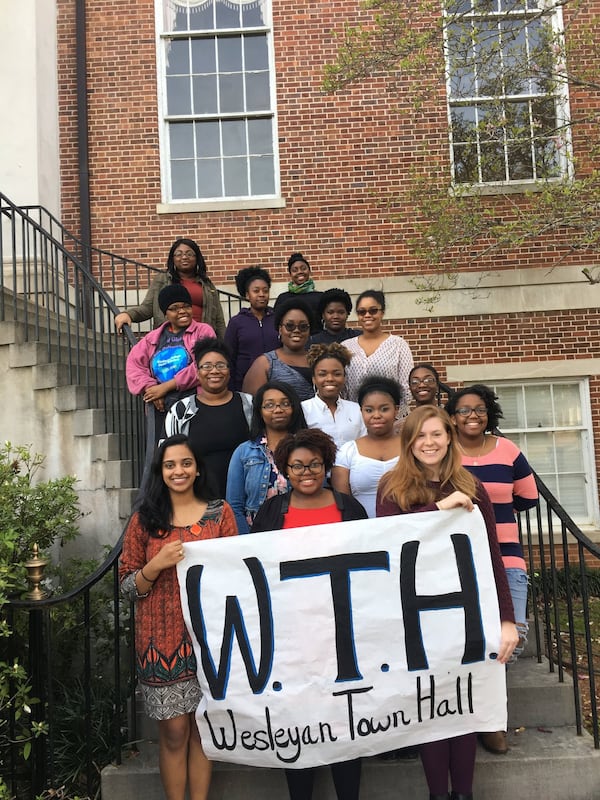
[197, 474]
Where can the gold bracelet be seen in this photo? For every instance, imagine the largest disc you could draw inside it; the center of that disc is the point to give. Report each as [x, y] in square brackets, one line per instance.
[145, 578]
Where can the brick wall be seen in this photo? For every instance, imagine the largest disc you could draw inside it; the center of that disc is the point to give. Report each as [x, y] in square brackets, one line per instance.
[340, 155]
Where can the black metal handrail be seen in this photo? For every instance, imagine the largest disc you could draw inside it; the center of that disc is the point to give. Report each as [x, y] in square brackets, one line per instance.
[550, 540]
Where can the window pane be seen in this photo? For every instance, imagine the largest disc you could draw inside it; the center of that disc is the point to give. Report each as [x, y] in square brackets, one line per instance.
[569, 457]
[234, 138]
[540, 451]
[205, 94]
[258, 97]
[207, 139]
[493, 165]
[567, 405]
[202, 16]
[181, 140]
[253, 15]
[538, 400]
[487, 55]
[511, 402]
[228, 14]
[260, 136]
[204, 57]
[262, 175]
[178, 96]
[182, 177]
[231, 93]
[209, 178]
[572, 494]
[230, 54]
[514, 56]
[466, 164]
[520, 161]
[178, 57]
[256, 54]
[236, 177]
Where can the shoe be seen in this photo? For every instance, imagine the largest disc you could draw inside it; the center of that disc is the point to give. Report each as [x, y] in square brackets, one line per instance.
[494, 742]
[439, 796]
[455, 796]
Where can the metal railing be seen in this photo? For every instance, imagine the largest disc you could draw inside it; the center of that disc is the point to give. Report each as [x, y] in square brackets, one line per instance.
[560, 559]
[51, 297]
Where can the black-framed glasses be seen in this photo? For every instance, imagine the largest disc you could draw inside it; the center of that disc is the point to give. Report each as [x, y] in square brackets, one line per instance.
[466, 411]
[220, 366]
[271, 405]
[175, 307]
[428, 380]
[362, 312]
[315, 467]
[296, 326]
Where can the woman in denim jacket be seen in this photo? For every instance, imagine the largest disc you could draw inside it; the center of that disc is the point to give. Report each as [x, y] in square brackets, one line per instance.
[252, 475]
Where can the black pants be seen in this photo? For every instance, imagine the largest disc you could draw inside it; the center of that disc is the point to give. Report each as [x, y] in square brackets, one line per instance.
[346, 779]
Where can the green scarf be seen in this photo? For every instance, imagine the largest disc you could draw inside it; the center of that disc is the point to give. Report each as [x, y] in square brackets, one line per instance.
[303, 288]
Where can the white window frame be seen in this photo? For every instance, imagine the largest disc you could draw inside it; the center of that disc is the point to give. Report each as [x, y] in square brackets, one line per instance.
[169, 205]
[585, 428]
[561, 96]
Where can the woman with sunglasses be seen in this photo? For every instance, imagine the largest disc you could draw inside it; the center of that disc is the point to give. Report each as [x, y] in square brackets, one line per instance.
[306, 457]
[506, 475]
[216, 419]
[287, 363]
[375, 351]
[253, 476]
[429, 477]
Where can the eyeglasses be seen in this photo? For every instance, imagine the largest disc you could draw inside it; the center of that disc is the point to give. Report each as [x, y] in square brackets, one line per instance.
[220, 366]
[271, 405]
[299, 469]
[362, 312]
[429, 380]
[293, 326]
[465, 411]
[179, 307]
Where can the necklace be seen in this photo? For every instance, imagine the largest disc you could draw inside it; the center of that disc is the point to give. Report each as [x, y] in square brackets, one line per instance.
[476, 457]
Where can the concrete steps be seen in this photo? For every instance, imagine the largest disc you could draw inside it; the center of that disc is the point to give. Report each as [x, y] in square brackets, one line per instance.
[546, 760]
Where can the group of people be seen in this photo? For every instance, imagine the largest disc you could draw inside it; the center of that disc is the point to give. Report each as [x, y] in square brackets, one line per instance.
[287, 418]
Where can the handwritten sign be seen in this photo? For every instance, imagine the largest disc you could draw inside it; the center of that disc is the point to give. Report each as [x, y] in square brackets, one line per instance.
[320, 644]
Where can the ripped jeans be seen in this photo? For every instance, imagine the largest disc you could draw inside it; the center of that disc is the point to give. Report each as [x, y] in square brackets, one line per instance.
[518, 583]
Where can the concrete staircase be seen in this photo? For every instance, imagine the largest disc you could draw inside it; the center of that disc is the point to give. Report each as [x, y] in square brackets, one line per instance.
[546, 760]
[45, 409]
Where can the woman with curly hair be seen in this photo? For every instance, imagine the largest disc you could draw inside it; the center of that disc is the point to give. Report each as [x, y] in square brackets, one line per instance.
[505, 472]
[333, 310]
[251, 332]
[306, 457]
[430, 477]
[185, 266]
[177, 507]
[341, 419]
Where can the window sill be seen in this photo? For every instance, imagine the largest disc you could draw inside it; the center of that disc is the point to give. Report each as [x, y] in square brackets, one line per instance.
[195, 206]
[516, 187]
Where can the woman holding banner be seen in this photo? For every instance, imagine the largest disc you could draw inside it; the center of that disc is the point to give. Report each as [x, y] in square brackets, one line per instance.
[430, 477]
[177, 507]
[306, 457]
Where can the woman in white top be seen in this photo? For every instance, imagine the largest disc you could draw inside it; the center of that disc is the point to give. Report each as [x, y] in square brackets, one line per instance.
[327, 411]
[376, 352]
[360, 464]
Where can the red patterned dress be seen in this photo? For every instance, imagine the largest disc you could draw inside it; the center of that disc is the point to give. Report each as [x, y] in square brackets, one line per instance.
[166, 664]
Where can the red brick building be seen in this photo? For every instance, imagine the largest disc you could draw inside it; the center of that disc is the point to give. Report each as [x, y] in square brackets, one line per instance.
[207, 118]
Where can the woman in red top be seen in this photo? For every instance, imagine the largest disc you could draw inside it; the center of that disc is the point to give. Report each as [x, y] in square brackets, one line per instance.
[305, 457]
[176, 508]
[429, 477]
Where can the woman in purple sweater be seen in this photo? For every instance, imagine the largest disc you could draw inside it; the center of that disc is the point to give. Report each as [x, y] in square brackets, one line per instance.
[429, 477]
[252, 332]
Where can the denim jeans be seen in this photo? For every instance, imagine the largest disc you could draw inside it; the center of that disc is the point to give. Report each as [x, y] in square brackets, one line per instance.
[518, 583]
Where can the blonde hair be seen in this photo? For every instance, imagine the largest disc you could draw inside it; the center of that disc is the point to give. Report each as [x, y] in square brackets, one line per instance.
[407, 483]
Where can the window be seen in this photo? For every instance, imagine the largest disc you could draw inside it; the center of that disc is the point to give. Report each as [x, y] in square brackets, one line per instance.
[218, 137]
[551, 423]
[507, 96]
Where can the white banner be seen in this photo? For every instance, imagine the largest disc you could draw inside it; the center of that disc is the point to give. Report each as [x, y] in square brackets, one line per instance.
[321, 644]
